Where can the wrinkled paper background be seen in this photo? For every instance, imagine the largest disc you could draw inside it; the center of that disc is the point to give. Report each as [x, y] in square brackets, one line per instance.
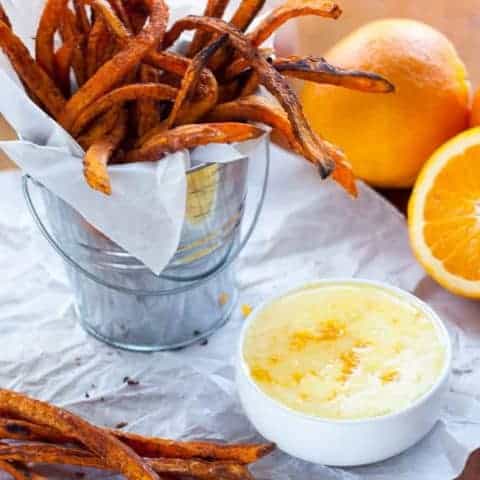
[308, 230]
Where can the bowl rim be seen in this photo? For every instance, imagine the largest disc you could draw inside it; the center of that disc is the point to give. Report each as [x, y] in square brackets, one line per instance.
[397, 291]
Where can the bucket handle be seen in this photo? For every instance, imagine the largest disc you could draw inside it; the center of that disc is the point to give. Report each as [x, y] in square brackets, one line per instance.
[26, 179]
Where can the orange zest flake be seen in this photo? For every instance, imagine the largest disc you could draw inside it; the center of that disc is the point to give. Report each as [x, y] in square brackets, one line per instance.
[261, 374]
[328, 331]
[297, 377]
[274, 359]
[223, 299]
[389, 376]
[350, 361]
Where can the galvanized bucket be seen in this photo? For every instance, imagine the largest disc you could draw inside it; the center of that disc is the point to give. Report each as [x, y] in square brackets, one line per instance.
[120, 301]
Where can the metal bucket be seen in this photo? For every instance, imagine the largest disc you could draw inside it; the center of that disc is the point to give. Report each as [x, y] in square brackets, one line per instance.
[120, 301]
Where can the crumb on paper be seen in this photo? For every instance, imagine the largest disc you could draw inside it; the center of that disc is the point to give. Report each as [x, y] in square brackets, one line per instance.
[223, 299]
[87, 395]
[131, 382]
[121, 425]
[246, 310]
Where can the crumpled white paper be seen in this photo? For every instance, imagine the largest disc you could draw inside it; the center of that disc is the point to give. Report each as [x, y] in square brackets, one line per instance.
[145, 213]
[308, 230]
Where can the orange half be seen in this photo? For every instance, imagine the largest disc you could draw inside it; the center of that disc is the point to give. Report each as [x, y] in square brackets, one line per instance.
[444, 215]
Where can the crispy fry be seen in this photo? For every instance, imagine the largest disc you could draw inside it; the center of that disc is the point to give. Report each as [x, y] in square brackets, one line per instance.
[251, 85]
[155, 91]
[119, 9]
[192, 78]
[114, 453]
[63, 64]
[191, 136]
[4, 17]
[41, 85]
[119, 66]
[246, 13]
[94, 45]
[82, 18]
[99, 128]
[98, 155]
[116, 25]
[216, 9]
[241, 65]
[257, 109]
[137, 14]
[70, 32]
[53, 454]
[147, 111]
[44, 42]
[145, 446]
[297, 8]
[160, 447]
[315, 150]
[318, 70]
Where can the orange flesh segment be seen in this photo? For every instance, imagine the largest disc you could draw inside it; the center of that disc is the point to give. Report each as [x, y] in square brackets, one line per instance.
[452, 215]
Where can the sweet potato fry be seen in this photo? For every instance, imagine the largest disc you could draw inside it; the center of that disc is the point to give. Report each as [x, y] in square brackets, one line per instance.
[98, 155]
[159, 447]
[44, 42]
[69, 31]
[145, 446]
[314, 149]
[318, 70]
[297, 8]
[119, 66]
[191, 136]
[257, 109]
[119, 9]
[40, 84]
[114, 453]
[154, 91]
[94, 45]
[241, 65]
[146, 110]
[99, 128]
[246, 13]
[83, 23]
[63, 65]
[216, 9]
[110, 16]
[4, 17]
[53, 454]
[251, 85]
[192, 78]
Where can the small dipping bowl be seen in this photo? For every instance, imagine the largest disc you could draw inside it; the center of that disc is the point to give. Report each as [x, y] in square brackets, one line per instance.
[344, 442]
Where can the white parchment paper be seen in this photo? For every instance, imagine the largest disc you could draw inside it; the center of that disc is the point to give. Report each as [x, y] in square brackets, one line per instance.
[308, 230]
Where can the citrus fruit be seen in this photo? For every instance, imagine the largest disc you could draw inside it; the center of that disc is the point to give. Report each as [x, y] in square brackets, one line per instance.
[388, 137]
[475, 116]
[444, 215]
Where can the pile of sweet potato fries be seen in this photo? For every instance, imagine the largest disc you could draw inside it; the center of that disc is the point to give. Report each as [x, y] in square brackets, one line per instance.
[35, 432]
[107, 72]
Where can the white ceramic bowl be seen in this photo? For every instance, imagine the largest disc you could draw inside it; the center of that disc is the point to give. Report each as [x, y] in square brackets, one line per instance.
[343, 442]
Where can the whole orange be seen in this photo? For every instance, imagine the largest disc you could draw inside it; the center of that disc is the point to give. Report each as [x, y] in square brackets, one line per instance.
[388, 137]
[475, 116]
